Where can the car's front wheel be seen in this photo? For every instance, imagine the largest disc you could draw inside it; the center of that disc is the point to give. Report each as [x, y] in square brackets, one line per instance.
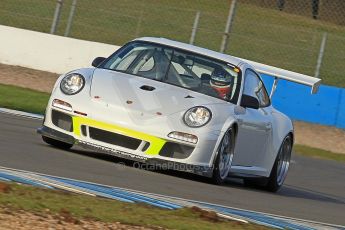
[224, 158]
[56, 143]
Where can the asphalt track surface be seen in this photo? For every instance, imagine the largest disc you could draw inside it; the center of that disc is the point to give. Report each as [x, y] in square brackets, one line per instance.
[314, 189]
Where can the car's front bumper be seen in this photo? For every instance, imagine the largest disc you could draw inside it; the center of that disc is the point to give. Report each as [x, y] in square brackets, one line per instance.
[54, 134]
[151, 162]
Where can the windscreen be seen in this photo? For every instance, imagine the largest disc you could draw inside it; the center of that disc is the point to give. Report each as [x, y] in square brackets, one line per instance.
[178, 67]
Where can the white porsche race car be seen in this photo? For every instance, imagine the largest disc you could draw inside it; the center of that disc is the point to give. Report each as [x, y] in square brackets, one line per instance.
[177, 106]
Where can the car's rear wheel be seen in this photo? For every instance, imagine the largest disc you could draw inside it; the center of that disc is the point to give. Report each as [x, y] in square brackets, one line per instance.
[56, 143]
[281, 166]
[224, 158]
[279, 171]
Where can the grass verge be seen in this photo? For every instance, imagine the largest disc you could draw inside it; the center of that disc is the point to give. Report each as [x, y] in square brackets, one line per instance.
[318, 153]
[37, 200]
[27, 100]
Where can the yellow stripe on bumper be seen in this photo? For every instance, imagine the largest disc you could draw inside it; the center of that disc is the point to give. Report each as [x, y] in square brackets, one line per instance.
[156, 143]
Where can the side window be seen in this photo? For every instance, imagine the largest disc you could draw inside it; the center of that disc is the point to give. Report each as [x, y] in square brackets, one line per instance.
[254, 87]
[147, 65]
[264, 99]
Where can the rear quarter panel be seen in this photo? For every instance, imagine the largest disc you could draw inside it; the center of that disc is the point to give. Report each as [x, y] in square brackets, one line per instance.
[282, 126]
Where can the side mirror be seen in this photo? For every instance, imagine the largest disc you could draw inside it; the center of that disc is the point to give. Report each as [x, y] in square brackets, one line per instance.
[249, 102]
[97, 61]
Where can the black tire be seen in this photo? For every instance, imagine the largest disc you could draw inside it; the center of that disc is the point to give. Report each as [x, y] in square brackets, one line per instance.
[273, 183]
[219, 172]
[56, 143]
[276, 179]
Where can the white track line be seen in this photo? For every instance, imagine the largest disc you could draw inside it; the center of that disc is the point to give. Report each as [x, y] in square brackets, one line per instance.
[54, 184]
[21, 113]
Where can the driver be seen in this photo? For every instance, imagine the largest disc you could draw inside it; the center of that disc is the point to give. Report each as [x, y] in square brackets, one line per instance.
[221, 81]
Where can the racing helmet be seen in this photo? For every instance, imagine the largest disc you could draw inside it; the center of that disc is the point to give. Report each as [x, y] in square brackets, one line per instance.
[221, 82]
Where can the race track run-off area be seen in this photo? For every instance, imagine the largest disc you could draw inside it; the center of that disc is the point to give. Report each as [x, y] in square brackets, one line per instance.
[314, 189]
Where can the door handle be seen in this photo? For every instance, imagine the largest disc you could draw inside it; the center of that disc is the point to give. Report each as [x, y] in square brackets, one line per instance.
[147, 88]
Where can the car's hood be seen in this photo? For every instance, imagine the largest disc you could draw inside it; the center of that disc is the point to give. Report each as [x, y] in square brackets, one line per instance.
[141, 95]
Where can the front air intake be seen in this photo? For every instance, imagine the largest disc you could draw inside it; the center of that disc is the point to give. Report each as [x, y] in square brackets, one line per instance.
[62, 120]
[175, 150]
[114, 138]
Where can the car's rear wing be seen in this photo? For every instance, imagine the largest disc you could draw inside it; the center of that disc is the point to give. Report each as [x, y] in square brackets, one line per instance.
[278, 73]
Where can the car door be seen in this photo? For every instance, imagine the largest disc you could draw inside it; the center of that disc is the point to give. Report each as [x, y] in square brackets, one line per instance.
[254, 126]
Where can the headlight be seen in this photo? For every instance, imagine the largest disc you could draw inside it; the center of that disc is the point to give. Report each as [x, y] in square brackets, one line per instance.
[72, 83]
[197, 116]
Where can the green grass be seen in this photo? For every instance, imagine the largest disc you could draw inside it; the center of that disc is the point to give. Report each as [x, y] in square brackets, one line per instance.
[318, 153]
[79, 206]
[18, 98]
[261, 34]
